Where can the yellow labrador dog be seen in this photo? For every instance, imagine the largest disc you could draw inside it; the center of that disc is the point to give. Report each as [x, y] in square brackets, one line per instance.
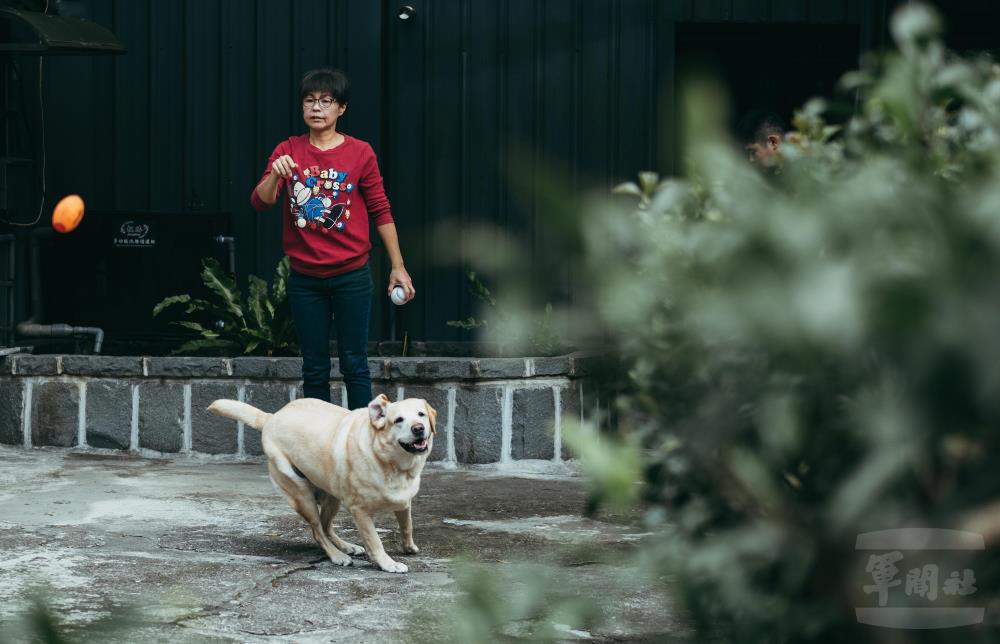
[321, 456]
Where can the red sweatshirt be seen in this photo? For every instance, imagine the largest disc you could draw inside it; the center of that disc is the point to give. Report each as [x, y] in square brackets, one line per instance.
[327, 205]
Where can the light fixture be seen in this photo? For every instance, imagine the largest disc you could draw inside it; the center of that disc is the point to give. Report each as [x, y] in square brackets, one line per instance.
[36, 32]
[406, 12]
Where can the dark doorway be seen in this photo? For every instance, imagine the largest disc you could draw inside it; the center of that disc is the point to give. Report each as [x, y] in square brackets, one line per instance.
[771, 67]
[970, 25]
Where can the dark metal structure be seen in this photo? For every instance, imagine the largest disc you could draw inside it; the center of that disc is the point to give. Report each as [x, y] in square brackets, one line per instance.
[29, 27]
[463, 100]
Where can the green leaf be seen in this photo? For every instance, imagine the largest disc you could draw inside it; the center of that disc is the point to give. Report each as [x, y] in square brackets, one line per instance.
[281, 281]
[613, 466]
[648, 181]
[914, 23]
[170, 301]
[855, 80]
[479, 290]
[194, 326]
[467, 324]
[829, 131]
[222, 285]
[261, 335]
[193, 346]
[256, 300]
[628, 188]
[755, 478]
[207, 307]
[269, 309]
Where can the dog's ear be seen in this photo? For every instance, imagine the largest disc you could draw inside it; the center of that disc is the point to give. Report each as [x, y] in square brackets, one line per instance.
[376, 410]
[432, 414]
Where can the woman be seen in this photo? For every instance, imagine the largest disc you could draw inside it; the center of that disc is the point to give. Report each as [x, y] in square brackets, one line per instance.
[332, 188]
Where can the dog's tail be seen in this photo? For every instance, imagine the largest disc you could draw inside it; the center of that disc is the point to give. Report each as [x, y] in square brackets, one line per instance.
[246, 414]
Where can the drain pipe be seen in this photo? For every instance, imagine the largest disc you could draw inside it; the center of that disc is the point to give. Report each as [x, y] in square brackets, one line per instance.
[31, 327]
[231, 242]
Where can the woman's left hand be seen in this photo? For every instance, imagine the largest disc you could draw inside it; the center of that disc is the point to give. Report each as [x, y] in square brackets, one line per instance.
[400, 277]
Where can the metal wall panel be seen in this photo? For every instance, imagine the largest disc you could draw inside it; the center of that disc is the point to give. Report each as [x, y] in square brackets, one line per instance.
[749, 10]
[827, 11]
[131, 110]
[789, 10]
[170, 107]
[711, 10]
[802, 11]
[102, 156]
[484, 100]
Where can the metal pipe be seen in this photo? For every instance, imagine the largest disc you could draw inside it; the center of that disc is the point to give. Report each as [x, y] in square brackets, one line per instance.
[31, 328]
[35, 273]
[9, 284]
[34, 330]
[231, 242]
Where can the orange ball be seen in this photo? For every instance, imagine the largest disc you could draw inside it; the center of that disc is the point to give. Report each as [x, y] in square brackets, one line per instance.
[68, 213]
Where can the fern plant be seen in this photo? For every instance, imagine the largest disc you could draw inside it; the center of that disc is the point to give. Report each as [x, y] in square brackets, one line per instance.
[480, 290]
[508, 329]
[261, 324]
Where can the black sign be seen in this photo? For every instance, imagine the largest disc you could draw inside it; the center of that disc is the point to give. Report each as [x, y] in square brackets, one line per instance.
[87, 281]
[134, 234]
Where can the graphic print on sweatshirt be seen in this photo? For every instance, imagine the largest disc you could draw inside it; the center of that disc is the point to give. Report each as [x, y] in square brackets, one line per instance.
[311, 197]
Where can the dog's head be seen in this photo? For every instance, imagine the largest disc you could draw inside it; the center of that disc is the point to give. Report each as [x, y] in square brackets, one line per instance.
[408, 425]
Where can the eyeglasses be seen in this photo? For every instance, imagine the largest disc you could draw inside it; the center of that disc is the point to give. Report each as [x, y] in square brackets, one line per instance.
[309, 102]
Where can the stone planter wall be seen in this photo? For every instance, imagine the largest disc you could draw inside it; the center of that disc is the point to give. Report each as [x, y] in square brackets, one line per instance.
[490, 410]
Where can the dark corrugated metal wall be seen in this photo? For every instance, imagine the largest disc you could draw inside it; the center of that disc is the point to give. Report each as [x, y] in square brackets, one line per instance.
[186, 119]
[579, 84]
[482, 94]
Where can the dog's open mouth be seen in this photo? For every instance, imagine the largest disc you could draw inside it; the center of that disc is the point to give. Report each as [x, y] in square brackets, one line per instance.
[416, 447]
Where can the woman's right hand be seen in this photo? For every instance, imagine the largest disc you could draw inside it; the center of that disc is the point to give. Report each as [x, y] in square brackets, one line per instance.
[283, 166]
[281, 170]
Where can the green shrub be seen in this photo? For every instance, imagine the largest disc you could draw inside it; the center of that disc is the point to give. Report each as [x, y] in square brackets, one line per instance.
[259, 325]
[812, 352]
[820, 344]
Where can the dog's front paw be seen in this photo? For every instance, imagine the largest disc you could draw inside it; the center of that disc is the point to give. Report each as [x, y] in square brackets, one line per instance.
[388, 565]
[410, 548]
[343, 560]
[353, 550]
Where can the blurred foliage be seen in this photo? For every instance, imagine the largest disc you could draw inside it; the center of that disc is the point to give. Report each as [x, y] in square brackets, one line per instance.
[43, 623]
[612, 467]
[261, 324]
[811, 348]
[521, 604]
[511, 337]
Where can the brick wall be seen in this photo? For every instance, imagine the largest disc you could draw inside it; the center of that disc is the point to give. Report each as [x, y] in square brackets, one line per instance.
[490, 410]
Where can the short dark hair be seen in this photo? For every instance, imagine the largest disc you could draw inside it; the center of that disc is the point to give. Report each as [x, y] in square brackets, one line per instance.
[326, 81]
[756, 125]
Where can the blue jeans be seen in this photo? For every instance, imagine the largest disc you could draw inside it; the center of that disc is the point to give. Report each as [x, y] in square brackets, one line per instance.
[347, 299]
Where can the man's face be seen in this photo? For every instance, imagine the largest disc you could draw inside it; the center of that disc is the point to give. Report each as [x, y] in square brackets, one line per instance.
[765, 150]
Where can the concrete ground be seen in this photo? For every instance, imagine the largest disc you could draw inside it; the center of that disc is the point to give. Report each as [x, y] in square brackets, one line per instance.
[188, 550]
